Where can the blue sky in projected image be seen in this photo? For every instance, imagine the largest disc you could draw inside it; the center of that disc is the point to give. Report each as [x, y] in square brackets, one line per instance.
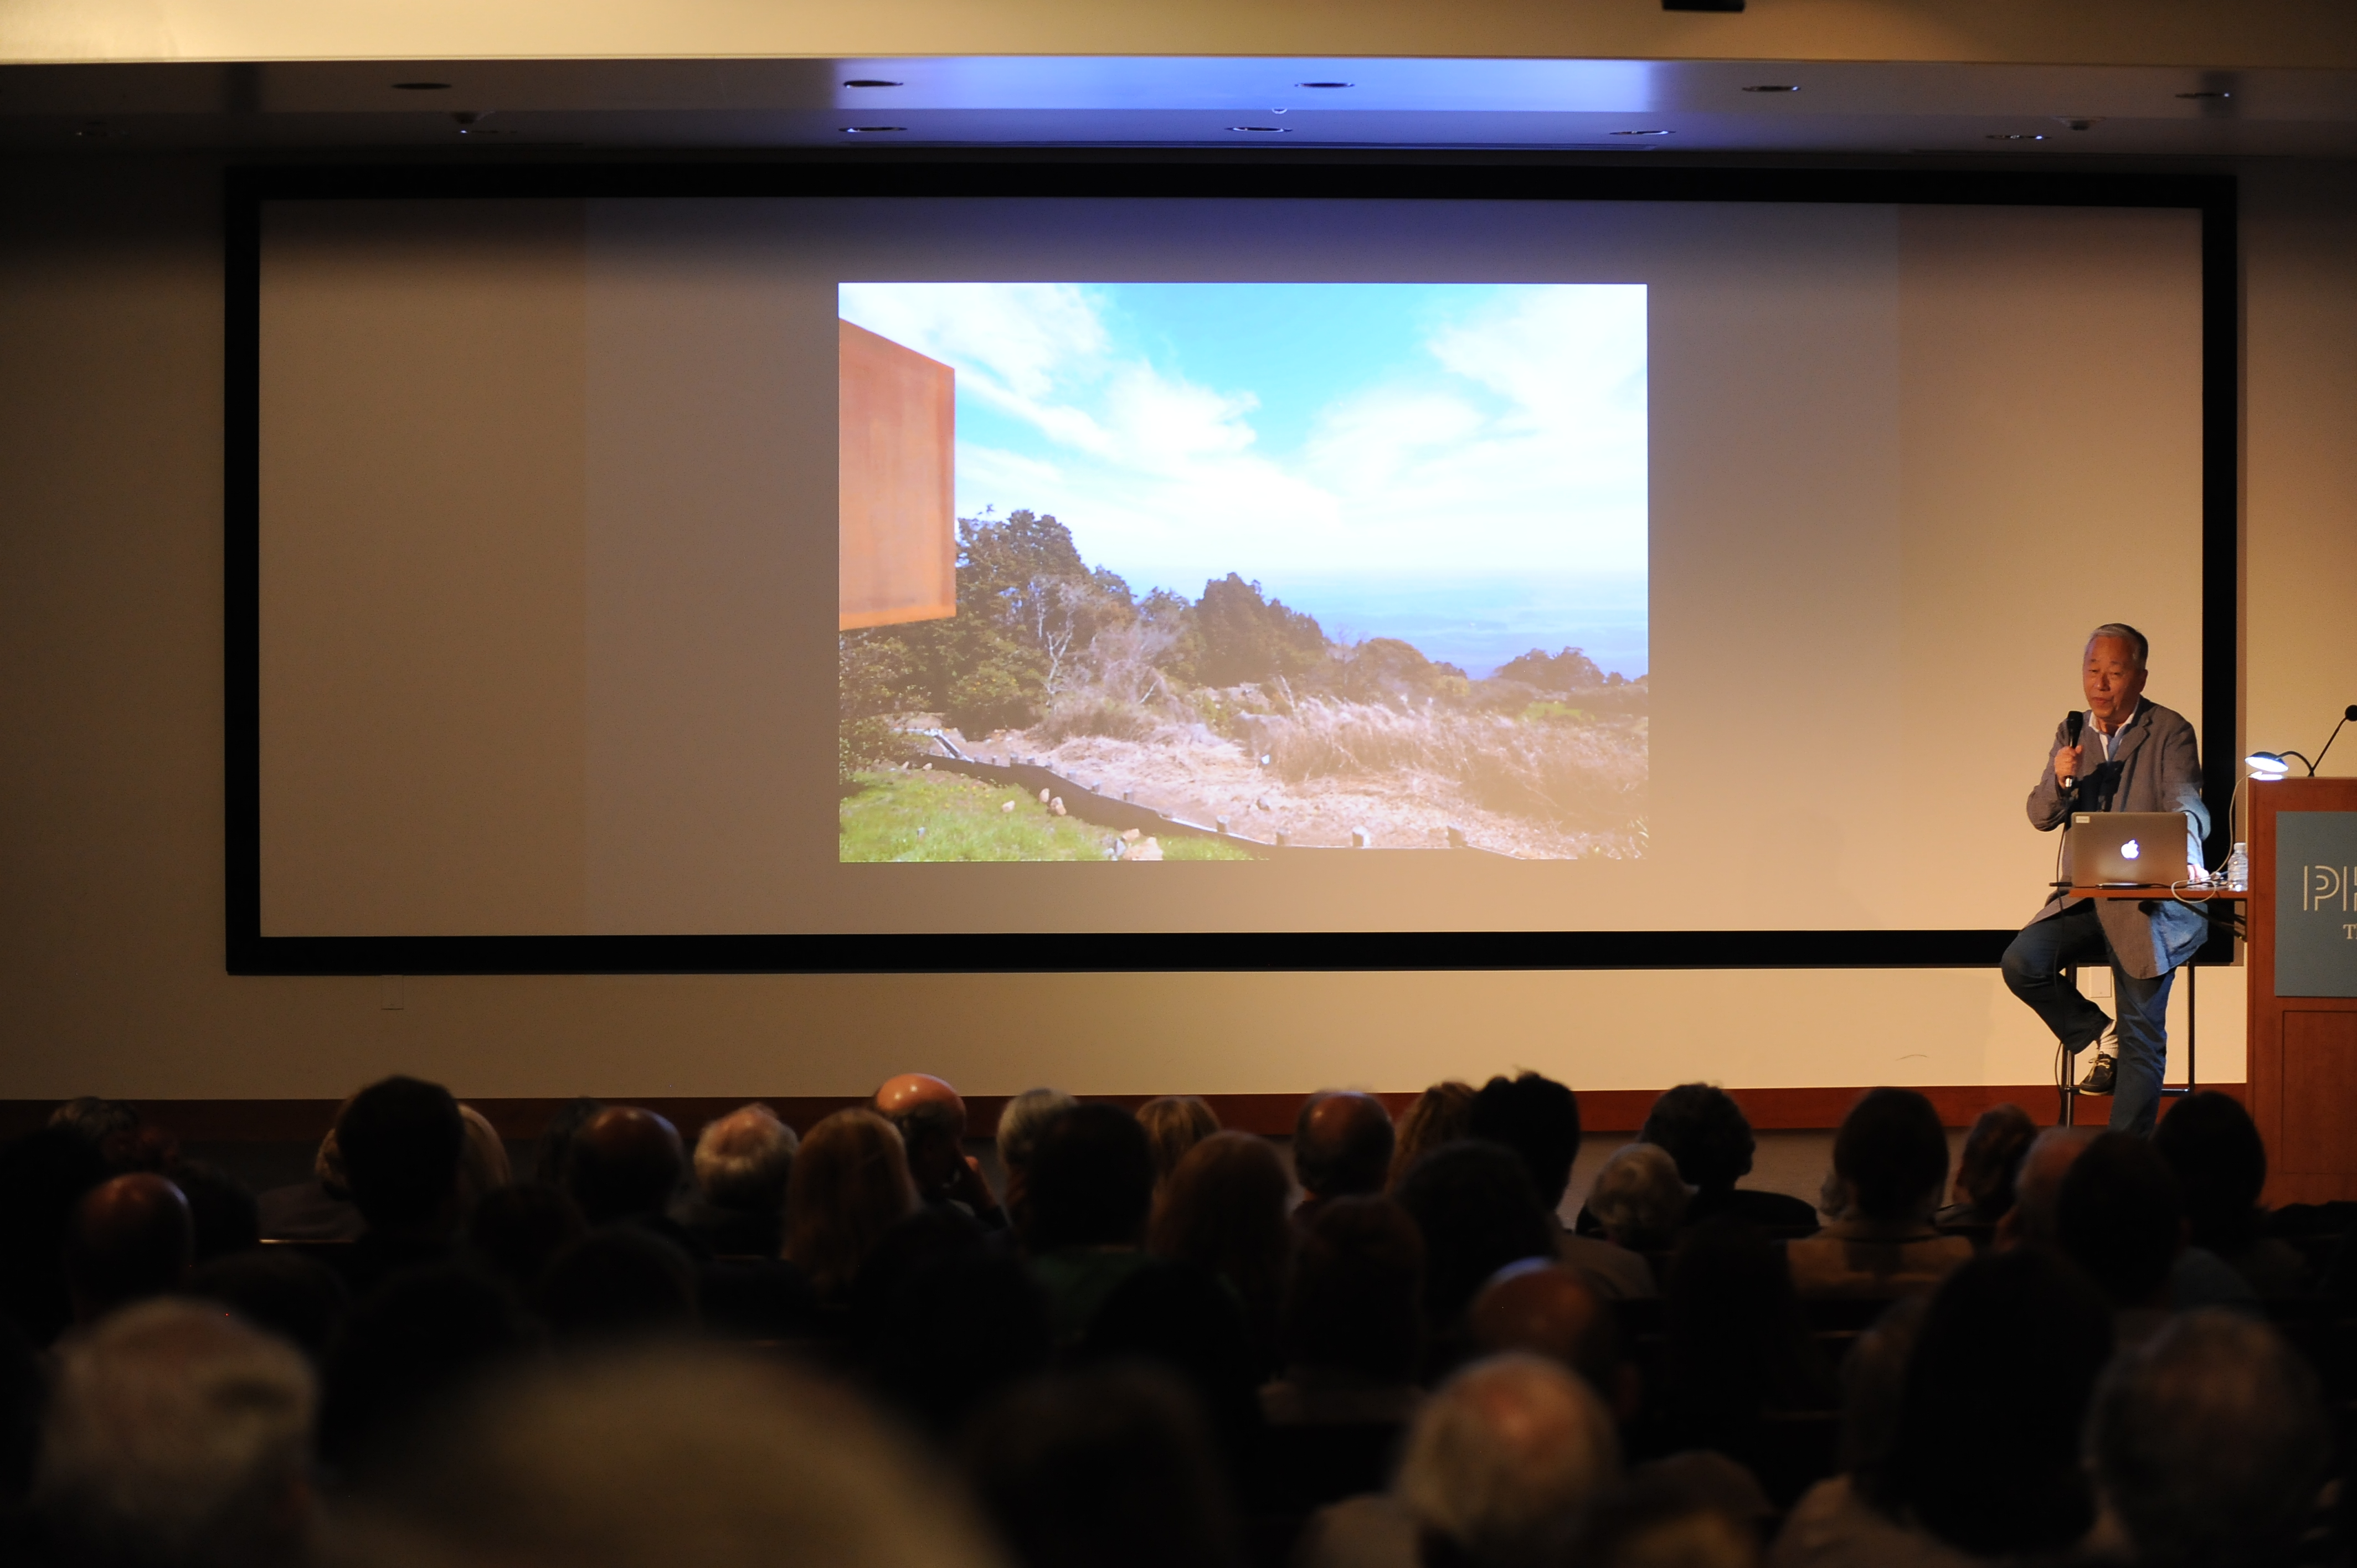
[1459, 464]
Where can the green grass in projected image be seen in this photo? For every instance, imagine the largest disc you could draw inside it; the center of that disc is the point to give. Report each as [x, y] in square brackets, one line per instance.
[916, 815]
[1348, 563]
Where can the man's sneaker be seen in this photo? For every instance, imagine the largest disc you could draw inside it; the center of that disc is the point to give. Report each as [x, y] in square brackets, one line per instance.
[2099, 1077]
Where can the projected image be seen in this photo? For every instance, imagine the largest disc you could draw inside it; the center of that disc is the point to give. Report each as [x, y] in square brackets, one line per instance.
[1233, 571]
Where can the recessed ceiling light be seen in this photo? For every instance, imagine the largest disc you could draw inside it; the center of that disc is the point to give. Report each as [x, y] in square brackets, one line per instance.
[421, 87]
[1264, 130]
[1641, 133]
[1325, 84]
[869, 82]
[870, 130]
[2207, 93]
[1773, 87]
[2015, 137]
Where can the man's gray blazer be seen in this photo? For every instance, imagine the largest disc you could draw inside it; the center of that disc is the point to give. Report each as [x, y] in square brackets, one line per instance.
[2160, 770]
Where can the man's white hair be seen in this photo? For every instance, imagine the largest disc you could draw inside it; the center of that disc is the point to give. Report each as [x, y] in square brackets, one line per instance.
[1507, 1457]
[178, 1436]
[742, 1160]
[2120, 631]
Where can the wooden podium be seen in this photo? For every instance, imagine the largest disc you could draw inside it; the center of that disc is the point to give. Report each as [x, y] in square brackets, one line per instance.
[2302, 1050]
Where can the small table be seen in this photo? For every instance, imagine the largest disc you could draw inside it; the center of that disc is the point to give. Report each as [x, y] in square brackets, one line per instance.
[2068, 1091]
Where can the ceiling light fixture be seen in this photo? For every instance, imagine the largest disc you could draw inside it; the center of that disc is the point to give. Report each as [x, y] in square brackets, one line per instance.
[2207, 93]
[2015, 137]
[421, 87]
[1325, 84]
[1641, 133]
[870, 130]
[869, 82]
[1264, 130]
[1773, 87]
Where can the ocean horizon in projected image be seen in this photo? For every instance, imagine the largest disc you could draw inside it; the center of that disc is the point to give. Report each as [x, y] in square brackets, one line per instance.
[1247, 568]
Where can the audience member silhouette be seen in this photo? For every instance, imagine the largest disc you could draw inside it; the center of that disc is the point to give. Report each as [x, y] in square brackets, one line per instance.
[657, 1459]
[1502, 1467]
[2212, 1146]
[1737, 1349]
[294, 1295]
[1342, 1144]
[179, 1438]
[1351, 1334]
[1538, 1119]
[2038, 1186]
[1090, 1193]
[483, 1166]
[1550, 1310]
[2208, 1443]
[1109, 1465]
[517, 1232]
[1707, 1135]
[620, 1283]
[2120, 1218]
[1223, 1208]
[552, 1151]
[1020, 1123]
[1438, 1116]
[743, 1162]
[43, 1176]
[1638, 1198]
[132, 1238]
[949, 1319]
[1890, 1166]
[1986, 1457]
[1175, 1124]
[931, 1120]
[401, 1139]
[420, 1340]
[1474, 1205]
[1992, 1152]
[221, 1208]
[627, 1163]
[850, 1186]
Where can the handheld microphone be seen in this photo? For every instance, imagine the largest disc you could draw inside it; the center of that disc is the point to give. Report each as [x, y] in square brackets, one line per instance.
[2073, 724]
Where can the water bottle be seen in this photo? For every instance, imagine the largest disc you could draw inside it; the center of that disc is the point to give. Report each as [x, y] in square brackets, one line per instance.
[2238, 870]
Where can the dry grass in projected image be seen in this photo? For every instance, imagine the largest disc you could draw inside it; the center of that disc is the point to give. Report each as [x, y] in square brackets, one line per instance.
[1229, 706]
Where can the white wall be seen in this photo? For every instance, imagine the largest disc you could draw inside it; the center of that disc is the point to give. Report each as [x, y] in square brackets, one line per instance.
[111, 934]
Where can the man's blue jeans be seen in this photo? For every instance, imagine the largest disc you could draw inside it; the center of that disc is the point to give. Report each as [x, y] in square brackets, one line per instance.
[2033, 969]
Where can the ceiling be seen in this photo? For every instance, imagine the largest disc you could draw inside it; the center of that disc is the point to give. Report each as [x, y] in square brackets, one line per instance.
[1619, 106]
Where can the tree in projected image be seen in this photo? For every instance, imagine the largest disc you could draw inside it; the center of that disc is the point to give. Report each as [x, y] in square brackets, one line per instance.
[1236, 703]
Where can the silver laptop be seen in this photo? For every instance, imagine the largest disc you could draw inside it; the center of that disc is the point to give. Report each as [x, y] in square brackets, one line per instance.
[2128, 849]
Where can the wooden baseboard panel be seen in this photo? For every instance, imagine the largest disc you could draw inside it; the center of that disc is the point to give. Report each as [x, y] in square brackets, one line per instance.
[1604, 1111]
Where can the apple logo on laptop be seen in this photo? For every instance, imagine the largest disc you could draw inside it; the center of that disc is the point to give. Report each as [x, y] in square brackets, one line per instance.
[2130, 849]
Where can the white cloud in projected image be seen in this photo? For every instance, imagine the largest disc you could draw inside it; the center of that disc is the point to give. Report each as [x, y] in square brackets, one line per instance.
[1353, 447]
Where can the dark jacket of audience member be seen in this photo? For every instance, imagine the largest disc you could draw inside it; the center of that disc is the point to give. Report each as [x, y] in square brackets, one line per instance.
[1351, 1334]
[1986, 1454]
[1890, 1164]
[1706, 1132]
[516, 1232]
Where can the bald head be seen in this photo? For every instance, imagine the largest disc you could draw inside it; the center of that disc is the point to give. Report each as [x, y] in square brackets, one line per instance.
[625, 1165]
[132, 1238]
[1548, 1310]
[2038, 1184]
[1342, 1144]
[931, 1120]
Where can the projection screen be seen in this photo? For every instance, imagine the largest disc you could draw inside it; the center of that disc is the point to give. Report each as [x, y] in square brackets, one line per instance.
[835, 576]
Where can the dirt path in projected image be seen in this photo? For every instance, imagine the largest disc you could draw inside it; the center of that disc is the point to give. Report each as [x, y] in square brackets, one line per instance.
[1196, 774]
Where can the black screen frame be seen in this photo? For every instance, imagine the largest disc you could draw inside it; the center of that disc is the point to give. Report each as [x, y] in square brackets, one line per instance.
[1308, 176]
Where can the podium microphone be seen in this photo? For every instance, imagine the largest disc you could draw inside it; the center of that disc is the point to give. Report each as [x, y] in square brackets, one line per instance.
[2073, 724]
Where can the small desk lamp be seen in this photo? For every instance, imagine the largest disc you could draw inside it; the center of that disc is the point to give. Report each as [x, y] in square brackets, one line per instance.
[2272, 764]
